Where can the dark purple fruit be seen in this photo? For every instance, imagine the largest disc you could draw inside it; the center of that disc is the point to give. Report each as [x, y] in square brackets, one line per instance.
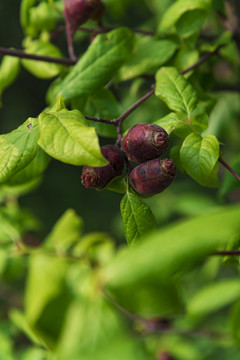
[153, 176]
[99, 177]
[77, 12]
[145, 142]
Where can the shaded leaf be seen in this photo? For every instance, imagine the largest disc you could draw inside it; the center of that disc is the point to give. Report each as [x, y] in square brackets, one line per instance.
[118, 184]
[103, 104]
[42, 69]
[185, 17]
[148, 55]
[149, 298]
[99, 64]
[230, 183]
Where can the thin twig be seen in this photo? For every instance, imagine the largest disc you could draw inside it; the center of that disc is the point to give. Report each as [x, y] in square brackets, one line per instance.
[106, 121]
[69, 35]
[21, 54]
[204, 58]
[163, 326]
[106, 29]
[227, 252]
[233, 87]
[229, 168]
[135, 105]
[124, 311]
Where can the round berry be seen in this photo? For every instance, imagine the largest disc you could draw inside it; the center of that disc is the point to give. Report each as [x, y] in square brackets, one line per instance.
[153, 176]
[99, 177]
[77, 12]
[145, 142]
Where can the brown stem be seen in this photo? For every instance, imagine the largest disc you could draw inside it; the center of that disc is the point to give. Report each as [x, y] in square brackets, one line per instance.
[229, 168]
[21, 54]
[135, 105]
[227, 252]
[106, 121]
[69, 34]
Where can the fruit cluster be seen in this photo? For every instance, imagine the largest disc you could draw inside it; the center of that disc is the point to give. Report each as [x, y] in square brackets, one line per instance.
[143, 144]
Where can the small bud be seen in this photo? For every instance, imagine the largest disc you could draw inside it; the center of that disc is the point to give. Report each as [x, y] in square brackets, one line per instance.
[77, 12]
[99, 177]
[152, 177]
[145, 142]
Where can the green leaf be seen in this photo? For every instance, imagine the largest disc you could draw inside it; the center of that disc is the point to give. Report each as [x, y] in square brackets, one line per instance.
[8, 230]
[44, 17]
[66, 136]
[6, 345]
[137, 217]
[102, 333]
[175, 156]
[18, 148]
[173, 249]
[175, 91]
[34, 353]
[99, 64]
[172, 123]
[46, 297]
[213, 297]
[45, 281]
[234, 321]
[233, 244]
[118, 184]
[66, 232]
[19, 319]
[32, 171]
[199, 156]
[25, 12]
[35, 19]
[185, 17]
[149, 298]
[226, 111]
[42, 69]
[184, 59]
[98, 247]
[148, 55]
[9, 70]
